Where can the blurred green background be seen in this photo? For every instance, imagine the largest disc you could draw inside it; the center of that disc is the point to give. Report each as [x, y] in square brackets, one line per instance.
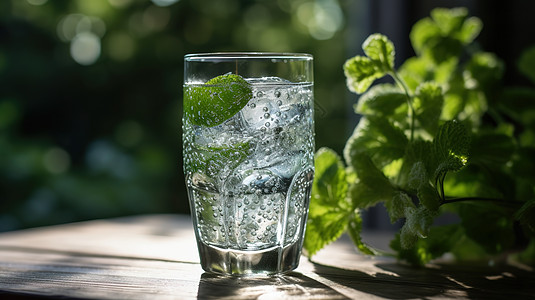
[91, 90]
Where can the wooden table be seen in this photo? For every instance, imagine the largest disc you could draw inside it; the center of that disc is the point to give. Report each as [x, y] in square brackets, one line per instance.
[155, 257]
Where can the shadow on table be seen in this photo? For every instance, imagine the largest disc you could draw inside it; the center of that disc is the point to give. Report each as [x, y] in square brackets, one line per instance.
[293, 285]
[450, 281]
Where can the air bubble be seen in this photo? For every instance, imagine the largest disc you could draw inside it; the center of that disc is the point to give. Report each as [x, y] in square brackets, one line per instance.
[266, 115]
[252, 105]
[278, 94]
[259, 94]
[279, 102]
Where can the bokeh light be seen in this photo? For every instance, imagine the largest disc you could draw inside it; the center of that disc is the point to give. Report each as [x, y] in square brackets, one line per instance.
[85, 48]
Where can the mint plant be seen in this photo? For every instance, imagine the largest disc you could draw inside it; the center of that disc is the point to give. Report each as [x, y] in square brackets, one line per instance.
[445, 136]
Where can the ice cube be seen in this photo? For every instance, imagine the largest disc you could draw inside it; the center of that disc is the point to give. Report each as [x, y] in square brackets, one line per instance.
[230, 132]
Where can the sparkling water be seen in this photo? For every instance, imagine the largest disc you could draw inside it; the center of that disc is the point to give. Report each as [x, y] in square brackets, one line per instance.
[249, 180]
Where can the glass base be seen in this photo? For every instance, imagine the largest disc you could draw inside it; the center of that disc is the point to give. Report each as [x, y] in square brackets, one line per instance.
[271, 261]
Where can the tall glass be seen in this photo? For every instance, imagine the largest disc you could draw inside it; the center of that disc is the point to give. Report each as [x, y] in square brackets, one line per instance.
[248, 140]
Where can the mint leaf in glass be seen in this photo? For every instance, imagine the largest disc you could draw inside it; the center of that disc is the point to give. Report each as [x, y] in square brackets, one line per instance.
[217, 100]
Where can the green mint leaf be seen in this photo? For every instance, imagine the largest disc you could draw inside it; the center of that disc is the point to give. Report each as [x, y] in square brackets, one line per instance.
[408, 238]
[417, 223]
[382, 100]
[427, 194]
[450, 21]
[444, 35]
[416, 70]
[417, 175]
[428, 106]
[397, 205]
[217, 100]
[360, 73]
[526, 63]
[380, 50]
[324, 229]
[372, 187]
[470, 30]
[330, 183]
[354, 228]
[417, 152]
[329, 209]
[380, 139]
[424, 31]
[211, 160]
[428, 197]
[484, 71]
[451, 147]
[363, 196]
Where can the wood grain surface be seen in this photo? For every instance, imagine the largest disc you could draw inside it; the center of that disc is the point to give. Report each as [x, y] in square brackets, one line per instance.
[155, 257]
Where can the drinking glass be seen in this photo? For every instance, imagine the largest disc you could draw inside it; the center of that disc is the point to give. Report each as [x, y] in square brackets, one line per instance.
[248, 136]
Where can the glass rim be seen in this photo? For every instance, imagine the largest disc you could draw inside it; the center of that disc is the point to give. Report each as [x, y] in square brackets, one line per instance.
[247, 55]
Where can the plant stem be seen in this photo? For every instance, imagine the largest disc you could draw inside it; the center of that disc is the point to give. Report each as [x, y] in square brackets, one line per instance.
[403, 86]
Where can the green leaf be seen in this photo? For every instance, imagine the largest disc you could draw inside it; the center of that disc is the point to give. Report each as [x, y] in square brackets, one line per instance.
[451, 147]
[376, 136]
[397, 205]
[419, 220]
[470, 30]
[450, 21]
[428, 106]
[330, 184]
[210, 160]
[444, 35]
[417, 151]
[360, 73]
[417, 224]
[526, 63]
[417, 175]
[380, 50]
[422, 32]
[428, 197]
[324, 229]
[373, 186]
[329, 208]
[407, 238]
[427, 194]
[354, 229]
[484, 71]
[217, 100]
[382, 100]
